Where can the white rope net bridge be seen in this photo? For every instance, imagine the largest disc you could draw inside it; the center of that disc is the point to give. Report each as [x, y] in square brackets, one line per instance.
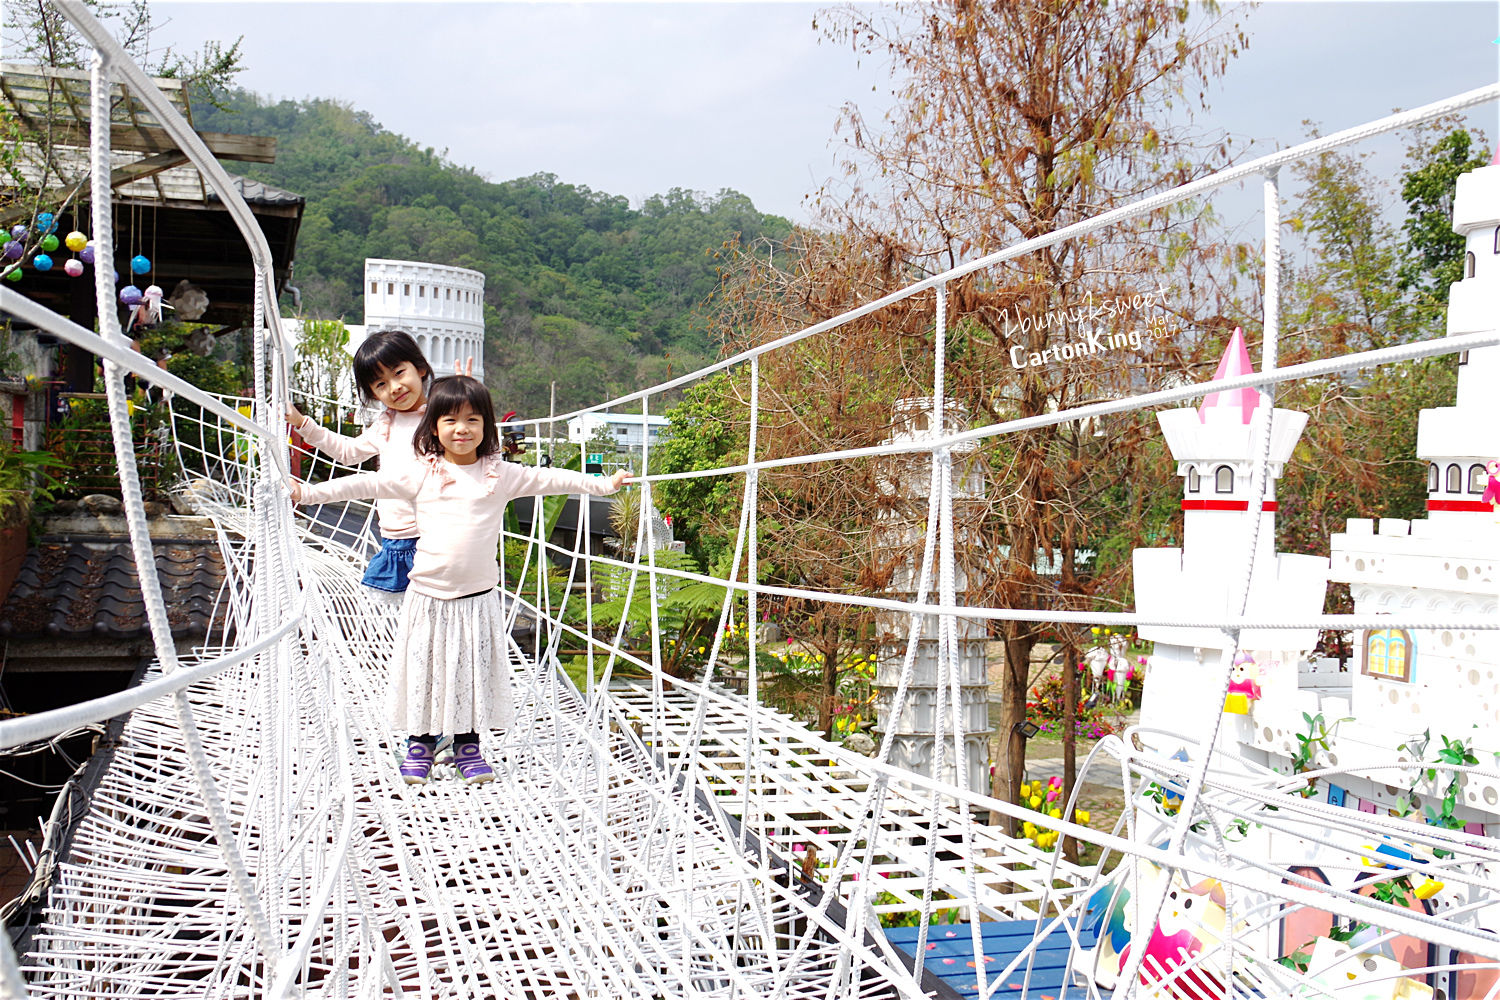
[251, 836]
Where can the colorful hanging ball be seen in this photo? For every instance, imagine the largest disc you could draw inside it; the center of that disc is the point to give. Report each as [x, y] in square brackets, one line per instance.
[86, 255]
[130, 295]
[13, 250]
[42, 262]
[74, 267]
[76, 241]
[18, 232]
[139, 264]
[46, 222]
[14, 274]
[152, 292]
[49, 243]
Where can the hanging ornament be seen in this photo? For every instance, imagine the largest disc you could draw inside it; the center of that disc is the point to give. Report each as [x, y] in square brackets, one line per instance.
[18, 232]
[130, 295]
[49, 243]
[46, 223]
[86, 255]
[151, 301]
[13, 250]
[76, 241]
[73, 267]
[13, 275]
[139, 264]
[42, 262]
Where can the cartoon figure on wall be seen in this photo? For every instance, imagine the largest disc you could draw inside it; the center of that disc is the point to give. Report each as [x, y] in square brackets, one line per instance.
[1192, 923]
[1244, 685]
[1492, 488]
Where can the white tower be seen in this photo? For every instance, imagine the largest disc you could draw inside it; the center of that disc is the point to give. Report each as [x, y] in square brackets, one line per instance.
[1215, 449]
[441, 306]
[1458, 440]
[1407, 681]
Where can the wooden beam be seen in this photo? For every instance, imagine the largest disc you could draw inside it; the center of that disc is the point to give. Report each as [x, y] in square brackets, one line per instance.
[148, 139]
[139, 170]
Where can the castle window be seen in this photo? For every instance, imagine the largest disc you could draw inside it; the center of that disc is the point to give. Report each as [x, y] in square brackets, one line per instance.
[406, 289]
[1224, 480]
[1469, 264]
[1432, 478]
[421, 291]
[1463, 357]
[374, 287]
[390, 288]
[1476, 479]
[1497, 239]
[1389, 654]
[1194, 481]
[1455, 479]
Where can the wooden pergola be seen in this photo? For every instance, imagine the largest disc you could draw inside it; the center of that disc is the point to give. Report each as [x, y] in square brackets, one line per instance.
[162, 208]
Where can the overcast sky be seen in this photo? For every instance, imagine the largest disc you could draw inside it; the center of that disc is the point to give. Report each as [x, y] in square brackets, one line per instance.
[635, 99]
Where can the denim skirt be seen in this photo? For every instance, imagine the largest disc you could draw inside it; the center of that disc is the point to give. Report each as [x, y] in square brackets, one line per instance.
[389, 568]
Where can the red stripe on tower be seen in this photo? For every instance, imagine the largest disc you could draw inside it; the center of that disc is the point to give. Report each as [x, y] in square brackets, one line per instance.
[1268, 505]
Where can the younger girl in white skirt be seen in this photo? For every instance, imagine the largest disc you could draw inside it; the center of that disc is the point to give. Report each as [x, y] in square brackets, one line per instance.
[449, 671]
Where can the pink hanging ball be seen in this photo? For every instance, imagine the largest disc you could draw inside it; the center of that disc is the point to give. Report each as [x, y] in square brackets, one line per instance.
[73, 267]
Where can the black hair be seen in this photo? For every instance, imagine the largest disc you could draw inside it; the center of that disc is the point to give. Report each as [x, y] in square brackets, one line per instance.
[450, 394]
[386, 349]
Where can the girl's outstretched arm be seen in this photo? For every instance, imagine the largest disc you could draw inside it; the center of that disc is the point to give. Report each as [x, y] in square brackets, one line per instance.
[344, 450]
[537, 480]
[363, 486]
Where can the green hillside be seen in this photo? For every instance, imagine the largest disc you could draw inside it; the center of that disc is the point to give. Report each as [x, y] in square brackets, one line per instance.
[580, 288]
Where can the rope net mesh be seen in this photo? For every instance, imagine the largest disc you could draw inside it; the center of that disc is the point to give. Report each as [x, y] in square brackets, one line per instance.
[649, 837]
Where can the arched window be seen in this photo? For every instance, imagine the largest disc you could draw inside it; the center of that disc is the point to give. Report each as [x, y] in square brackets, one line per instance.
[1476, 479]
[1194, 481]
[1455, 479]
[1497, 239]
[1389, 654]
[1432, 477]
[1224, 480]
[1469, 264]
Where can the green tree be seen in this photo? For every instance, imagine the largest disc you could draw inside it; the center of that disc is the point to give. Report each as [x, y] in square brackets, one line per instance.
[1436, 157]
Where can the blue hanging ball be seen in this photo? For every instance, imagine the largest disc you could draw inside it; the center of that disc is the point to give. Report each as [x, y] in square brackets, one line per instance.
[13, 250]
[46, 223]
[18, 232]
[86, 255]
[139, 264]
[130, 295]
[42, 262]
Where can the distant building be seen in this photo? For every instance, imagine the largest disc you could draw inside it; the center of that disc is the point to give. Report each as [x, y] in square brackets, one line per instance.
[441, 306]
[629, 431]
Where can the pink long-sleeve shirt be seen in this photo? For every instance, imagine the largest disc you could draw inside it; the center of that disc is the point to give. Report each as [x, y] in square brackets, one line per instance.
[460, 510]
[389, 438]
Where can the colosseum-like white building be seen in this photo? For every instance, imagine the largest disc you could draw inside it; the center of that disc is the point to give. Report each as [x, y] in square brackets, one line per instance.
[442, 307]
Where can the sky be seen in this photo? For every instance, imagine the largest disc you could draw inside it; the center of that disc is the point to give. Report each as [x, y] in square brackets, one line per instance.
[635, 99]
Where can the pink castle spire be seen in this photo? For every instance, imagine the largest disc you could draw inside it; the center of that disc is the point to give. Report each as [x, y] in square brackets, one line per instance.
[1235, 362]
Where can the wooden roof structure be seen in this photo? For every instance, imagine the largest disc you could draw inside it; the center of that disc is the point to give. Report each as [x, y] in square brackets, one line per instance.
[162, 208]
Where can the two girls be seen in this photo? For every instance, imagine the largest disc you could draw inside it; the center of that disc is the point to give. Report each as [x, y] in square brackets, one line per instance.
[450, 671]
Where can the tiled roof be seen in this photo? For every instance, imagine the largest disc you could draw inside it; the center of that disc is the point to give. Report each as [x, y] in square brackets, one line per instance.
[89, 589]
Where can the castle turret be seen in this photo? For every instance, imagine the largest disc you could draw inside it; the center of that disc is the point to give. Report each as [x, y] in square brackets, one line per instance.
[1215, 448]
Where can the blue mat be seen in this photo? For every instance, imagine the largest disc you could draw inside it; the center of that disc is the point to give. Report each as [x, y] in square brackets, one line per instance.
[950, 955]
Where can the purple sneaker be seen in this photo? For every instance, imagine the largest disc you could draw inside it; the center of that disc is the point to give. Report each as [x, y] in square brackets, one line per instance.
[418, 763]
[471, 765]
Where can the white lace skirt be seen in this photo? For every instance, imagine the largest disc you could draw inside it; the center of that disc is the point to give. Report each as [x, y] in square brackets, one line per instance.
[448, 671]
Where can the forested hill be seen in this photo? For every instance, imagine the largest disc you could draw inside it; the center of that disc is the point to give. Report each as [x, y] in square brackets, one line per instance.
[579, 287]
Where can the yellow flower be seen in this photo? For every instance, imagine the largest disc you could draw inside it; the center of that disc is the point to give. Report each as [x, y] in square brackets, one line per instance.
[1083, 816]
[1035, 802]
[1055, 813]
